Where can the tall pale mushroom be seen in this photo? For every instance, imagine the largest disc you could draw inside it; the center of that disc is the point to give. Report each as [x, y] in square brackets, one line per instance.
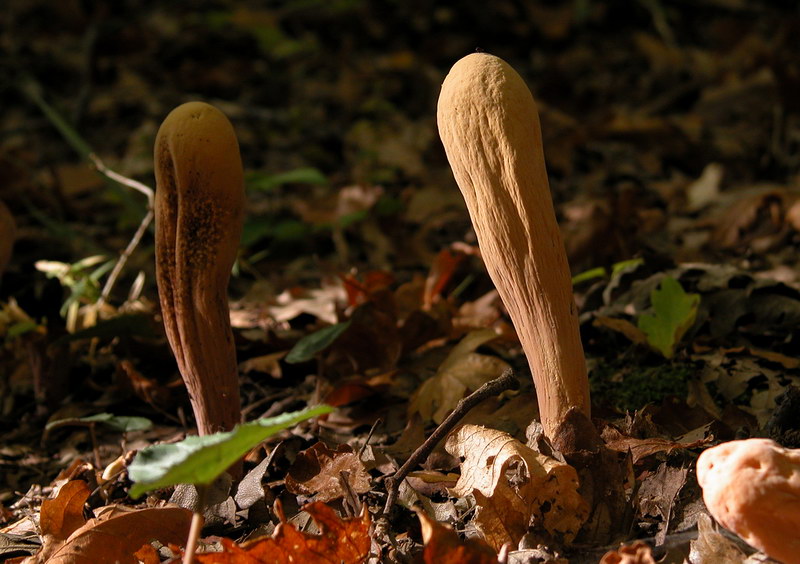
[489, 126]
[198, 207]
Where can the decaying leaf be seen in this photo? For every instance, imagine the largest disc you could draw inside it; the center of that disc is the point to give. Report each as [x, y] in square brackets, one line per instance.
[442, 545]
[657, 495]
[637, 553]
[711, 546]
[319, 471]
[341, 541]
[642, 448]
[463, 370]
[515, 487]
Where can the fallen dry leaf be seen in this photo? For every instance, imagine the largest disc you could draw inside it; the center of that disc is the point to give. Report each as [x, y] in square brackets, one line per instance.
[631, 331]
[636, 553]
[443, 546]
[657, 494]
[61, 516]
[642, 448]
[117, 538]
[758, 221]
[318, 471]
[463, 370]
[515, 487]
[341, 541]
[711, 546]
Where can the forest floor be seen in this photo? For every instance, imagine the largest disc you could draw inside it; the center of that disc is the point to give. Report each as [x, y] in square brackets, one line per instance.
[671, 133]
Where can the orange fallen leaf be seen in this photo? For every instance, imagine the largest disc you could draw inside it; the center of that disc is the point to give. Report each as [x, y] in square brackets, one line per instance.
[442, 545]
[59, 517]
[341, 541]
[117, 538]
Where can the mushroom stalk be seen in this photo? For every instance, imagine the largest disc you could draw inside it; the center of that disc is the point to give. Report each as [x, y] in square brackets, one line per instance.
[489, 125]
[199, 204]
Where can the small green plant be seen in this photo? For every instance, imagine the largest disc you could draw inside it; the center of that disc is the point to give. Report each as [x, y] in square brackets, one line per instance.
[674, 312]
[82, 278]
[199, 460]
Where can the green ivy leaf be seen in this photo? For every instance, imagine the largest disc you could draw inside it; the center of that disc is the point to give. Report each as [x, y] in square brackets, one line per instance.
[674, 312]
[199, 460]
[305, 349]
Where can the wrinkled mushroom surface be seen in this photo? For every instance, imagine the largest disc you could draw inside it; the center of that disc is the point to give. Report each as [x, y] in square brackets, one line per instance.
[489, 125]
[199, 205]
[752, 487]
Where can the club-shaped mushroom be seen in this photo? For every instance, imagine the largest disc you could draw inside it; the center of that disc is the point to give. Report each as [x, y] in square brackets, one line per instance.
[198, 208]
[489, 125]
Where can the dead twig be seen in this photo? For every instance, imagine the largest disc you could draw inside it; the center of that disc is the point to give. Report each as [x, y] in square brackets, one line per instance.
[506, 381]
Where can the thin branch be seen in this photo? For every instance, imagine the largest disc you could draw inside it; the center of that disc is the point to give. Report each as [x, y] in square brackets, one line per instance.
[124, 180]
[124, 256]
[506, 381]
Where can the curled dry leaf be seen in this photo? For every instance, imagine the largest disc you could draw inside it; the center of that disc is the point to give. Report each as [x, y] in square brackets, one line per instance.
[60, 516]
[318, 472]
[443, 546]
[463, 370]
[642, 448]
[516, 486]
[341, 541]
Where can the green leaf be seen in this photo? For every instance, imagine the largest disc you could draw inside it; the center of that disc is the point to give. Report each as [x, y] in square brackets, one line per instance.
[199, 460]
[674, 312]
[269, 182]
[598, 272]
[310, 345]
[120, 423]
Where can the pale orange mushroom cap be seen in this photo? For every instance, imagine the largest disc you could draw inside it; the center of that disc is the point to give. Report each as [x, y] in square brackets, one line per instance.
[489, 125]
[752, 487]
[199, 212]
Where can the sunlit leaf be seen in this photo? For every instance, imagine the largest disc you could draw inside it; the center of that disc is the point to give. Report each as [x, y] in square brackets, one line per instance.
[199, 460]
[674, 312]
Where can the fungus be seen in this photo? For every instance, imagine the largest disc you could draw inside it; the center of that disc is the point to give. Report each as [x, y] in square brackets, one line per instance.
[752, 487]
[198, 208]
[489, 126]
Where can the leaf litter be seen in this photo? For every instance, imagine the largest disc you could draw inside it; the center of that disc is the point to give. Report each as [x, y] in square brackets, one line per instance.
[676, 142]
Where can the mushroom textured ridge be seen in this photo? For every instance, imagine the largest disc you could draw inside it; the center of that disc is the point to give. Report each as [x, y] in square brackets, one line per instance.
[199, 211]
[489, 126]
[752, 487]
